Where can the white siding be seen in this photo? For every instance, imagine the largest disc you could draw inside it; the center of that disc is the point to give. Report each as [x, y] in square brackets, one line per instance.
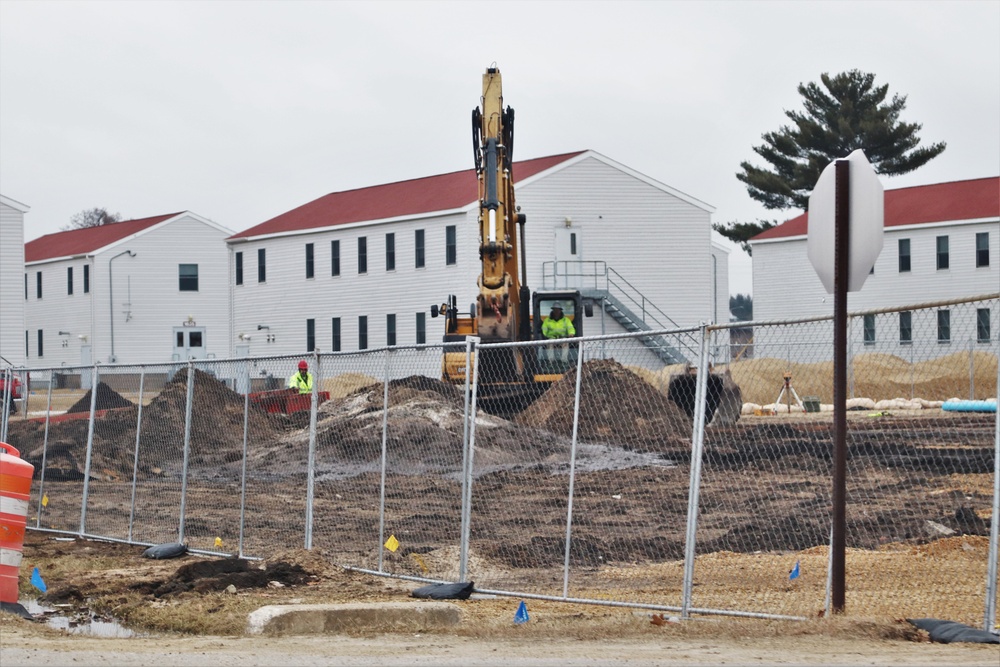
[786, 286]
[148, 303]
[57, 311]
[656, 241]
[287, 299]
[11, 282]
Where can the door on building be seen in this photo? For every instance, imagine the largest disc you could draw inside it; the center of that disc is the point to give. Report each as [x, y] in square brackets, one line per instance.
[189, 343]
[570, 271]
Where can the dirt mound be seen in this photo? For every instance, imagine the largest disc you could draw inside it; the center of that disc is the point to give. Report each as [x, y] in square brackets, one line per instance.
[425, 430]
[615, 405]
[204, 576]
[107, 398]
[216, 433]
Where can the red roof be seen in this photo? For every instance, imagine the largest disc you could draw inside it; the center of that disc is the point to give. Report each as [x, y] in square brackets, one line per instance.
[421, 195]
[86, 240]
[940, 202]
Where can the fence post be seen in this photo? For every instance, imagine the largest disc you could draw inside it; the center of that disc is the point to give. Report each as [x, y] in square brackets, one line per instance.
[385, 434]
[572, 468]
[467, 496]
[991, 562]
[311, 465]
[187, 448]
[45, 452]
[243, 470]
[697, 445]
[466, 510]
[90, 449]
[6, 396]
[135, 459]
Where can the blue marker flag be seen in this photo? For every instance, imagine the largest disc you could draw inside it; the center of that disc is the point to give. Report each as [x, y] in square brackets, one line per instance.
[521, 615]
[794, 574]
[36, 580]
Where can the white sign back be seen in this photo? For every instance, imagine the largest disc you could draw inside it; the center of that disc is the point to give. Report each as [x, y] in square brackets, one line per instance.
[867, 210]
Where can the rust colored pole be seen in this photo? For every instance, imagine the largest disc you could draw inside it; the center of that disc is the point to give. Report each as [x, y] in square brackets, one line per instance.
[841, 269]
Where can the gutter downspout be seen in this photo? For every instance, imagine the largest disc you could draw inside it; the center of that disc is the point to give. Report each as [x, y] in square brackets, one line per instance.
[111, 297]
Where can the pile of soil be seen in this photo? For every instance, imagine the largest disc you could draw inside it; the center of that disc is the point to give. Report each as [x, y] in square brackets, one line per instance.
[425, 430]
[204, 576]
[107, 398]
[616, 405]
[216, 433]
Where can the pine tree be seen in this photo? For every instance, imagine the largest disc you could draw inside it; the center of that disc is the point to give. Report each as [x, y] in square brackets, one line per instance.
[847, 113]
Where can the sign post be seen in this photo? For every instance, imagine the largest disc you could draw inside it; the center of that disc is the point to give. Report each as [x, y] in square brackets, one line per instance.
[848, 195]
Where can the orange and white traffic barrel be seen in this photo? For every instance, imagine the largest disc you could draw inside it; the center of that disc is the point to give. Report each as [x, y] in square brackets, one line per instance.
[15, 490]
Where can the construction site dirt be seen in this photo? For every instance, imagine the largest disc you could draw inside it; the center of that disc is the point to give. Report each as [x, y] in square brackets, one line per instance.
[765, 481]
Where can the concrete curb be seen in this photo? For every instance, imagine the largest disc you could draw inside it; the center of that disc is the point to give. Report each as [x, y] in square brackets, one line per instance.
[311, 619]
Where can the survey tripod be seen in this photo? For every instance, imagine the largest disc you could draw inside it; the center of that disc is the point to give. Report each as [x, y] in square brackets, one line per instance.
[787, 392]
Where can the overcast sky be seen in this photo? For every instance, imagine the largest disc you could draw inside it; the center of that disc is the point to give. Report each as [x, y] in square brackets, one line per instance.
[240, 111]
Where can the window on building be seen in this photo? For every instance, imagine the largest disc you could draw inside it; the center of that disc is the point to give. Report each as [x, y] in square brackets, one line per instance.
[572, 243]
[390, 252]
[983, 325]
[310, 335]
[942, 252]
[334, 258]
[869, 329]
[363, 332]
[69, 280]
[86, 278]
[239, 268]
[390, 329]
[41, 349]
[418, 244]
[983, 249]
[905, 327]
[25, 286]
[310, 265]
[38, 284]
[262, 265]
[335, 341]
[421, 328]
[362, 254]
[944, 326]
[188, 277]
[450, 245]
[904, 255]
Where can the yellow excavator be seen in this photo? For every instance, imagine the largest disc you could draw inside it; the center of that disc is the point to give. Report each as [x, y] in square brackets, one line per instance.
[510, 378]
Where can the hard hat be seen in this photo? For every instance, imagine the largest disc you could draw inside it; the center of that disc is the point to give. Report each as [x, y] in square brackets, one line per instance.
[303, 366]
[557, 305]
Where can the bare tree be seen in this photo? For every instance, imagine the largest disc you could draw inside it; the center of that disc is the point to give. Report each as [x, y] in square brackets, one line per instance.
[92, 217]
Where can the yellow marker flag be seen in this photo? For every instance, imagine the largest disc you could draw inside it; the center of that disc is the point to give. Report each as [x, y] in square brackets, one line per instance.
[218, 541]
[392, 543]
[45, 500]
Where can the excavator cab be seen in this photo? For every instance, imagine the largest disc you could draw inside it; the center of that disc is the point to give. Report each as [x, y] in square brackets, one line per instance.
[554, 360]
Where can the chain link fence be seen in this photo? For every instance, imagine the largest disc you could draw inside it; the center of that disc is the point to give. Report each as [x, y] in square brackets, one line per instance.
[611, 478]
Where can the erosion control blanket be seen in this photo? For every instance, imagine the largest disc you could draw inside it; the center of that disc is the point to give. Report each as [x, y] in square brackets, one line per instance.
[947, 632]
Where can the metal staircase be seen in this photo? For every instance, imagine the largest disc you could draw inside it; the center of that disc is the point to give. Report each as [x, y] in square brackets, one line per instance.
[625, 304]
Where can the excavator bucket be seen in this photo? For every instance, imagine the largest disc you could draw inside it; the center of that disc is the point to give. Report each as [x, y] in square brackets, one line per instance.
[723, 404]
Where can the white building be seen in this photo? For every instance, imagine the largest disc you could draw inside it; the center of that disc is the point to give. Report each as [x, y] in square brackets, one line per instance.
[941, 242]
[11, 268]
[139, 291]
[360, 269]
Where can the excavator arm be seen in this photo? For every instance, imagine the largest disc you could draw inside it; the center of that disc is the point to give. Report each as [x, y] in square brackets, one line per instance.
[500, 302]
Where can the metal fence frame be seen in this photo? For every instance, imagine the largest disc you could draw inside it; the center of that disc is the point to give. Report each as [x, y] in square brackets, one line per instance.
[707, 334]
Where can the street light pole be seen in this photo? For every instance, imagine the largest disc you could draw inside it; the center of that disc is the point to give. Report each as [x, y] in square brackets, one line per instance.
[111, 297]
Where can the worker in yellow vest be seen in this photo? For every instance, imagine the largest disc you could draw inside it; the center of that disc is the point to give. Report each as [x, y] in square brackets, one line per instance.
[302, 379]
